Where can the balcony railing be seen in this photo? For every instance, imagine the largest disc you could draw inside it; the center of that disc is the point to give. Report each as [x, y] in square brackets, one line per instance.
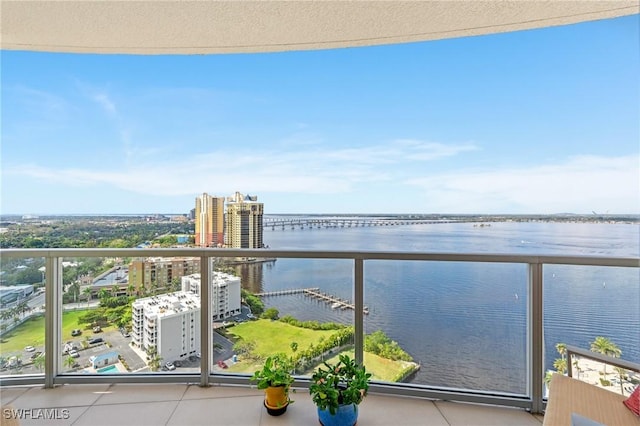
[532, 399]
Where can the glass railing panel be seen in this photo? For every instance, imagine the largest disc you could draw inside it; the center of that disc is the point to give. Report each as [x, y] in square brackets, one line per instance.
[129, 315]
[613, 378]
[22, 316]
[299, 307]
[591, 307]
[463, 324]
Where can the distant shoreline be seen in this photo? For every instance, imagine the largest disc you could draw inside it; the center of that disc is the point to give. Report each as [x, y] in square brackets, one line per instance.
[560, 217]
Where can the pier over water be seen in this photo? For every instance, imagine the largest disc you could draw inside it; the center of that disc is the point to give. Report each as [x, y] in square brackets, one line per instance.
[314, 292]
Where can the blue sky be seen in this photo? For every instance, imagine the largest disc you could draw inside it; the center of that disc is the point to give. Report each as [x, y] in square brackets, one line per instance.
[540, 121]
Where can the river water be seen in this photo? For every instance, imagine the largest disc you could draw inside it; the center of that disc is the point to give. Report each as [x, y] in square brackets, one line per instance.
[465, 323]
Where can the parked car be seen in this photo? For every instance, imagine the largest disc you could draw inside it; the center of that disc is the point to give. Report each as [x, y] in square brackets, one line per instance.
[97, 329]
[76, 332]
[29, 349]
[222, 364]
[95, 340]
[35, 355]
[169, 366]
[73, 353]
[124, 332]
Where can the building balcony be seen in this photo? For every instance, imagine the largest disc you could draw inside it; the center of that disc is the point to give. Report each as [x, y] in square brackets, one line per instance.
[187, 405]
[483, 382]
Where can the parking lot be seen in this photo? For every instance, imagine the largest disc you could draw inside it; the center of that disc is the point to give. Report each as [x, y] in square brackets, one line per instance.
[114, 340]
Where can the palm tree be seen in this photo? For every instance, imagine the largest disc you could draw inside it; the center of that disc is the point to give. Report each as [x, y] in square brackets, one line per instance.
[294, 348]
[560, 365]
[562, 349]
[577, 367]
[38, 362]
[103, 294]
[131, 289]
[87, 292]
[69, 362]
[154, 359]
[74, 289]
[604, 346]
[622, 375]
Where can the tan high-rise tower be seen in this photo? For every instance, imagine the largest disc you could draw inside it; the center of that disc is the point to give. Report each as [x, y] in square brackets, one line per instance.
[209, 221]
[244, 222]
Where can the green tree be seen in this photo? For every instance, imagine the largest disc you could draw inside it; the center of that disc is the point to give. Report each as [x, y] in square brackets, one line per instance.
[103, 294]
[604, 346]
[560, 364]
[294, 349]
[69, 362]
[74, 291]
[38, 362]
[622, 376]
[87, 292]
[153, 359]
[244, 348]
[271, 313]
[562, 349]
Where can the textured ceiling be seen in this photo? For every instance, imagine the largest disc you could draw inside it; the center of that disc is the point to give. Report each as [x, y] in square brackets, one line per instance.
[201, 27]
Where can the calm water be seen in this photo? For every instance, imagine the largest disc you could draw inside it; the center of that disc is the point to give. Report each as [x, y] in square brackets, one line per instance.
[465, 323]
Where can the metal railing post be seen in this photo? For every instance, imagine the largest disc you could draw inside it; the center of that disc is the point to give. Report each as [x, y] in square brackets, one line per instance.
[206, 329]
[535, 337]
[52, 319]
[359, 307]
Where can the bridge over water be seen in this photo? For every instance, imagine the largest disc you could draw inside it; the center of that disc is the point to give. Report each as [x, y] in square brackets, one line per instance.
[319, 223]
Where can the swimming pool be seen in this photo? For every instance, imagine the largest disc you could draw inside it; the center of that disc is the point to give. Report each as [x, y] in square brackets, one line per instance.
[109, 369]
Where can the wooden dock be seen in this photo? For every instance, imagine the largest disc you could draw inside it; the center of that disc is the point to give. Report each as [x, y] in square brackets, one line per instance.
[314, 292]
[285, 292]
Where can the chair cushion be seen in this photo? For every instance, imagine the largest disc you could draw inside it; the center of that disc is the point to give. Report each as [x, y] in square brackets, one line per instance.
[633, 402]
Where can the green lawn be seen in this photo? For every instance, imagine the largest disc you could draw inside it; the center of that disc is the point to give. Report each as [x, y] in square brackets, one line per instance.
[31, 333]
[382, 369]
[274, 336]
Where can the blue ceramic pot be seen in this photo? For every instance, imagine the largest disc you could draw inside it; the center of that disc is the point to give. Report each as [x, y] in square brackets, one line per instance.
[347, 415]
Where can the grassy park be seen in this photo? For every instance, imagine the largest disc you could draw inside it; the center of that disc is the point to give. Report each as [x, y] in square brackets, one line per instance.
[270, 337]
[274, 336]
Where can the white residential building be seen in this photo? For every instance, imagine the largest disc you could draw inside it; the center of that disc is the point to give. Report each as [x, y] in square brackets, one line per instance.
[169, 322]
[224, 289]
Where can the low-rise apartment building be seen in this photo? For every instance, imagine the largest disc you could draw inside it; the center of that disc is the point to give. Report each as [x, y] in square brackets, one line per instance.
[160, 272]
[170, 323]
[224, 290]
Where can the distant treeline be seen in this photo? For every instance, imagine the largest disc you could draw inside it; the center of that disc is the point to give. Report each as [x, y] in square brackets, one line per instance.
[76, 233]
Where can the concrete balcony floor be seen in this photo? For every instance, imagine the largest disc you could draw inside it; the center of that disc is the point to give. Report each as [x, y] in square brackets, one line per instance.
[184, 405]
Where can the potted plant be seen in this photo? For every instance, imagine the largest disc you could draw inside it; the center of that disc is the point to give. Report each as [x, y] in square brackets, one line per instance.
[337, 389]
[276, 379]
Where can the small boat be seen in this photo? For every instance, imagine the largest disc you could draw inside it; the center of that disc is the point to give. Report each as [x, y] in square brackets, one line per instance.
[336, 305]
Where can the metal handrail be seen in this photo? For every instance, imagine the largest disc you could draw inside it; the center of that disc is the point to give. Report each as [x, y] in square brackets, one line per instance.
[616, 362]
[535, 359]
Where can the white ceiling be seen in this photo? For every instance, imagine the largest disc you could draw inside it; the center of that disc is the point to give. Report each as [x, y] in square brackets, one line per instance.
[202, 27]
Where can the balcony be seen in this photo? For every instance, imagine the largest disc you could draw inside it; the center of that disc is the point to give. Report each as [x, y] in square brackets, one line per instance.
[509, 398]
[186, 405]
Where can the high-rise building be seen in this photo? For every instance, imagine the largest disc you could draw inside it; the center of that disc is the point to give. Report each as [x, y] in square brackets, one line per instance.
[209, 218]
[244, 222]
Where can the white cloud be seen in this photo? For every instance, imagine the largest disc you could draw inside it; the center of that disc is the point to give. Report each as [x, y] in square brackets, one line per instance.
[105, 102]
[580, 185]
[269, 170]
